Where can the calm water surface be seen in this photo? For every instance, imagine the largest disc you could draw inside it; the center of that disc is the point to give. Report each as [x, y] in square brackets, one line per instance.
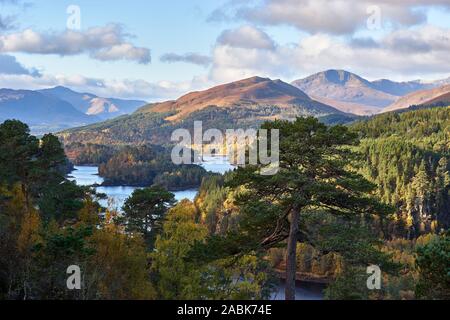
[88, 176]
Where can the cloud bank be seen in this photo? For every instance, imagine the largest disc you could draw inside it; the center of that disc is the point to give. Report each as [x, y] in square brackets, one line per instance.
[409, 52]
[190, 57]
[336, 17]
[107, 43]
[9, 65]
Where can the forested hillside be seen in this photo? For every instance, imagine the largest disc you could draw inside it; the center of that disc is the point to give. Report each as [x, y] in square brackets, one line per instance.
[406, 158]
[238, 235]
[407, 155]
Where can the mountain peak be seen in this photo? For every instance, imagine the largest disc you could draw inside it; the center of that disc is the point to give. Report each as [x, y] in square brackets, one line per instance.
[254, 79]
[60, 89]
[256, 91]
[41, 110]
[346, 91]
[340, 77]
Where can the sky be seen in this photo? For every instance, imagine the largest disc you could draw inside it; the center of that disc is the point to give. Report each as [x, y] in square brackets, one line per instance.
[159, 50]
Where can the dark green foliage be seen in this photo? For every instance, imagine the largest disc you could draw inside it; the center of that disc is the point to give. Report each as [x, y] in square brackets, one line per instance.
[181, 177]
[338, 119]
[349, 285]
[48, 224]
[149, 165]
[433, 263]
[210, 200]
[18, 151]
[40, 168]
[425, 127]
[407, 156]
[58, 250]
[62, 201]
[313, 175]
[49, 167]
[89, 154]
[141, 165]
[145, 210]
[135, 166]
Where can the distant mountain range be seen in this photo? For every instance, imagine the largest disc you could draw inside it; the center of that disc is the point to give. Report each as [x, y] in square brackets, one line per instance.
[242, 104]
[59, 108]
[351, 93]
[335, 96]
[88, 103]
[41, 112]
[422, 97]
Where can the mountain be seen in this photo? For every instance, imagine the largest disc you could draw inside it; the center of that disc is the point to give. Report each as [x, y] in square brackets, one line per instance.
[423, 97]
[40, 111]
[255, 91]
[241, 104]
[440, 83]
[445, 98]
[401, 88]
[350, 107]
[345, 91]
[104, 108]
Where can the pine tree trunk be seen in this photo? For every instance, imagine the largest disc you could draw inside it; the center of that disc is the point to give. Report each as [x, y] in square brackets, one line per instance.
[291, 258]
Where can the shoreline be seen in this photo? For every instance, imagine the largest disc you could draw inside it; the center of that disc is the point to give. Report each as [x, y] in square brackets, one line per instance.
[107, 184]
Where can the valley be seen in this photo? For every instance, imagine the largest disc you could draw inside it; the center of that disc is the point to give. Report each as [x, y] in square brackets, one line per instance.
[205, 159]
[374, 189]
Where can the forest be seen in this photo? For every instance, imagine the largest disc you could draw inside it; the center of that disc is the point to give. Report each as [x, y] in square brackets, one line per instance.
[407, 156]
[346, 197]
[146, 127]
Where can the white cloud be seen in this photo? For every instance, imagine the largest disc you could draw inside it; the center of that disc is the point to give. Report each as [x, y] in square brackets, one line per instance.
[191, 57]
[427, 47]
[118, 88]
[424, 40]
[230, 63]
[246, 37]
[328, 16]
[103, 43]
[123, 51]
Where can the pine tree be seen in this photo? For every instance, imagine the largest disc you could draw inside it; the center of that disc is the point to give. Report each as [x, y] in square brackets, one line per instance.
[145, 210]
[313, 175]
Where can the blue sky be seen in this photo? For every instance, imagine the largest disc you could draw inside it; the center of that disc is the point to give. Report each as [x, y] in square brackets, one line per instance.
[285, 39]
[155, 25]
